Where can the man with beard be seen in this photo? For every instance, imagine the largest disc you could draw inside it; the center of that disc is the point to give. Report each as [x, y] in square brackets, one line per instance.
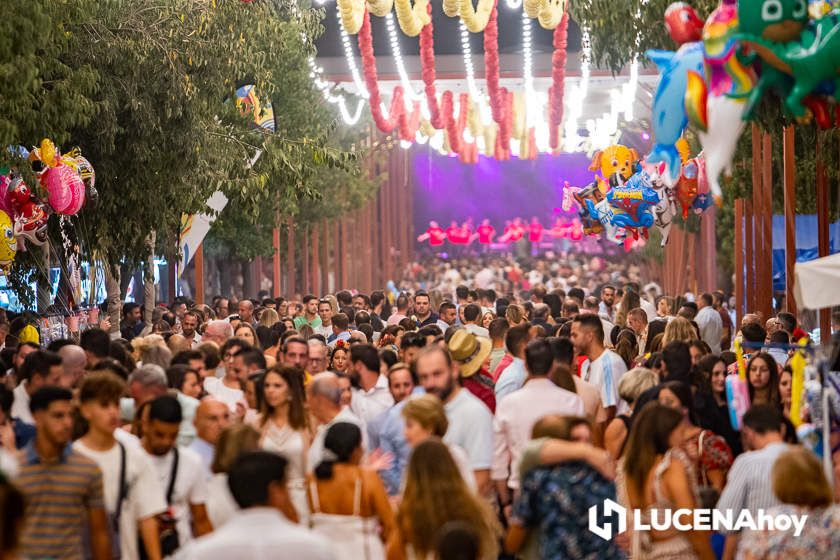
[470, 421]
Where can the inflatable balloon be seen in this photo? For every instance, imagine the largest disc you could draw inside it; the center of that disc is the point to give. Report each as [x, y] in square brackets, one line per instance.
[8, 243]
[717, 99]
[686, 190]
[787, 41]
[669, 117]
[30, 216]
[590, 193]
[604, 214]
[614, 159]
[683, 23]
[633, 201]
[65, 188]
[5, 199]
[569, 196]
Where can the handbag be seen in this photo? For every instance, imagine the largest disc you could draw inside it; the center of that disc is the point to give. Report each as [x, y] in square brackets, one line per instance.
[167, 524]
[707, 493]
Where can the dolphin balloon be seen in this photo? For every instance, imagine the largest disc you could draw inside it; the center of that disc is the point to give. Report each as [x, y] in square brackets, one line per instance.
[669, 117]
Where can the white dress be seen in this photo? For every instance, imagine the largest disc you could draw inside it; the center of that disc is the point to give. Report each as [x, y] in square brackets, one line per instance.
[289, 443]
[352, 537]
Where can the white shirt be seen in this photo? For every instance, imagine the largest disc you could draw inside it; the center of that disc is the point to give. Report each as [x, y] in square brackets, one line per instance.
[471, 428]
[367, 405]
[316, 450]
[258, 533]
[144, 496]
[221, 507]
[186, 433]
[648, 308]
[477, 330]
[324, 330]
[511, 379]
[20, 407]
[443, 325]
[516, 415]
[711, 327]
[196, 340]
[605, 373]
[190, 486]
[223, 393]
[205, 452]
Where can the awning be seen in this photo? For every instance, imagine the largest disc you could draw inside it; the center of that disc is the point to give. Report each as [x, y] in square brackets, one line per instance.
[816, 283]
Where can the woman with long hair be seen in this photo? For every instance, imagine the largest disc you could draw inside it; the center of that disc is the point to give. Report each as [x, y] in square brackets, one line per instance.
[709, 452]
[425, 417]
[349, 504]
[233, 441]
[435, 494]
[786, 389]
[151, 349]
[655, 474]
[515, 315]
[630, 300]
[678, 328]
[632, 384]
[284, 427]
[340, 358]
[627, 346]
[268, 318]
[247, 333]
[711, 374]
[763, 380]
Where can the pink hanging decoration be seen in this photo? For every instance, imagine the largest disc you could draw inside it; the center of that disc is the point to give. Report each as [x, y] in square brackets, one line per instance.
[427, 63]
[65, 189]
[558, 77]
[372, 82]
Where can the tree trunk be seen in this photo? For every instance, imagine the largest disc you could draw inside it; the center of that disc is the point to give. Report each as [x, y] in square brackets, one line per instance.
[149, 279]
[112, 290]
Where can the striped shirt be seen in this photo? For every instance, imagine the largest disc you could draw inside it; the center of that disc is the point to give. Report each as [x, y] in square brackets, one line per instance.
[749, 484]
[605, 372]
[58, 496]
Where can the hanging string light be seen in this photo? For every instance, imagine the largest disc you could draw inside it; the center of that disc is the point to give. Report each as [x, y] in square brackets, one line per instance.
[316, 73]
[349, 56]
[393, 39]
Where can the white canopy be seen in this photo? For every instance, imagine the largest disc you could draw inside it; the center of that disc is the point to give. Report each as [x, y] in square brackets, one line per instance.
[818, 283]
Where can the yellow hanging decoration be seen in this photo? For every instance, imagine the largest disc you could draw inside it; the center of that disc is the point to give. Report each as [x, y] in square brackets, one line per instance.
[797, 387]
[475, 18]
[551, 12]
[490, 132]
[352, 15]
[380, 8]
[450, 7]
[474, 124]
[547, 12]
[518, 115]
[412, 19]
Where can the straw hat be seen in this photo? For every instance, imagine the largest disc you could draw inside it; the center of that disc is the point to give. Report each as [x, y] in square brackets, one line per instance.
[469, 351]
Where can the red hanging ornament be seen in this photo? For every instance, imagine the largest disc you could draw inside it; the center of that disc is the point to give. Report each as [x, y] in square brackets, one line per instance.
[558, 78]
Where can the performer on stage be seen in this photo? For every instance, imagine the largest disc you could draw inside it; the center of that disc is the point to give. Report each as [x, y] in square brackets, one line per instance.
[434, 234]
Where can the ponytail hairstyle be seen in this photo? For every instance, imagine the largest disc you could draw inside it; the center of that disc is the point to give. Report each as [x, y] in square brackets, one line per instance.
[341, 441]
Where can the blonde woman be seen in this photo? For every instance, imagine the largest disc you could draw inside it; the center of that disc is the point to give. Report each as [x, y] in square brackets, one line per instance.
[515, 315]
[425, 417]
[269, 317]
[233, 441]
[679, 328]
[151, 349]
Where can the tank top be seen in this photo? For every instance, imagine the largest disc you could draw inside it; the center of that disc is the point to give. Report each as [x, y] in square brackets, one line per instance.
[352, 537]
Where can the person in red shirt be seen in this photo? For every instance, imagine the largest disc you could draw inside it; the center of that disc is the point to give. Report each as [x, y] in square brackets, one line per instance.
[485, 232]
[535, 230]
[472, 353]
[434, 234]
[516, 230]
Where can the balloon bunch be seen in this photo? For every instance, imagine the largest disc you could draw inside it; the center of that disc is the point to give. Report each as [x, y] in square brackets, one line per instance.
[630, 196]
[67, 180]
[727, 64]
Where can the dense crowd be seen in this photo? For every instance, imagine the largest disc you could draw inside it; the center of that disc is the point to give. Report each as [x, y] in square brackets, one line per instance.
[467, 412]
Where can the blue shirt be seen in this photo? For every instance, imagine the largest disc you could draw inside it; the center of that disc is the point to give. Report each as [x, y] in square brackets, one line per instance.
[511, 379]
[556, 499]
[392, 440]
[24, 433]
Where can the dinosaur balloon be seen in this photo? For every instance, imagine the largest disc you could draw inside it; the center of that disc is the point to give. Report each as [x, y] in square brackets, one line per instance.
[782, 36]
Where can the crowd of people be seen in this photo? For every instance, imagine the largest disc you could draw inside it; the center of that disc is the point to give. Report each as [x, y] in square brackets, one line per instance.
[455, 416]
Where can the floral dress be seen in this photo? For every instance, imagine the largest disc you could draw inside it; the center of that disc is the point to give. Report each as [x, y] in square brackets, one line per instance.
[714, 455]
[819, 539]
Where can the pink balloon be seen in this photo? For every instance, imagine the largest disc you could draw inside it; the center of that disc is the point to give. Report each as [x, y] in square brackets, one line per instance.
[64, 186]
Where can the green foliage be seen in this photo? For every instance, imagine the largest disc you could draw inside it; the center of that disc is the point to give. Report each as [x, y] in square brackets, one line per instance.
[616, 36]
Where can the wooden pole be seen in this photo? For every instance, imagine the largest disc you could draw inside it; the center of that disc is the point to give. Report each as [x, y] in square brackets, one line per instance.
[822, 227]
[291, 284]
[788, 154]
[275, 277]
[764, 209]
[749, 253]
[315, 286]
[198, 257]
[739, 261]
[305, 243]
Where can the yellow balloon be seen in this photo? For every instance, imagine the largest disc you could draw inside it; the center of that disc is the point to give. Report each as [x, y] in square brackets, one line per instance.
[48, 153]
[8, 243]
